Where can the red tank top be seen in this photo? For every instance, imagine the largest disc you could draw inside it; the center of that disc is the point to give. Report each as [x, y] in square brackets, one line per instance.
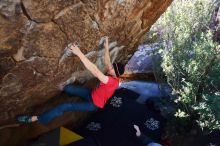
[103, 92]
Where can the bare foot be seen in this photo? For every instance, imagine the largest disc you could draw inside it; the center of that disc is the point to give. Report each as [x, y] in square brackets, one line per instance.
[34, 118]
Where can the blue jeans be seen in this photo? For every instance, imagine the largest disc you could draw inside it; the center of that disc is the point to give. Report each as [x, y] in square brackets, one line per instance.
[71, 90]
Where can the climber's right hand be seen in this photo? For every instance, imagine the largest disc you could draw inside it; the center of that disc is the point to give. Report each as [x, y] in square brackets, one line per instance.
[75, 49]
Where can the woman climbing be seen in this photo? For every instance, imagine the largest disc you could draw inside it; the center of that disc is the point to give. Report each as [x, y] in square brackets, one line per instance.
[94, 98]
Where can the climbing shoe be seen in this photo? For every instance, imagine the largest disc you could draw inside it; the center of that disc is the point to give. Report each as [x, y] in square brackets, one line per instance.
[24, 119]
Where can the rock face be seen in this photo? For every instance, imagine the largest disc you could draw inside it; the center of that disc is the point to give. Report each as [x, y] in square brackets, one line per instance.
[143, 59]
[34, 33]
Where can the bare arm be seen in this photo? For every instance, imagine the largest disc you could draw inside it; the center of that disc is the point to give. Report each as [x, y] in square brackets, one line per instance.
[107, 60]
[89, 65]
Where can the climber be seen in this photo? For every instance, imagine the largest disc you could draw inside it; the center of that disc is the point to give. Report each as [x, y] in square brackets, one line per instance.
[94, 98]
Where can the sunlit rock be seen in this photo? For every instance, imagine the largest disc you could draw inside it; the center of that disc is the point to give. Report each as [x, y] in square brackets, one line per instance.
[34, 34]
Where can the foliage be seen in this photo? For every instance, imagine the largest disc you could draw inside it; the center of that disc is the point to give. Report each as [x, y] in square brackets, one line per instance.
[191, 60]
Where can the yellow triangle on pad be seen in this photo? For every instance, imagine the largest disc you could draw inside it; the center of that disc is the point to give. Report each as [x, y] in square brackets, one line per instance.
[67, 136]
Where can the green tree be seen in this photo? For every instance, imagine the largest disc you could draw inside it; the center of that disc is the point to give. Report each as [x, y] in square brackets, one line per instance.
[191, 60]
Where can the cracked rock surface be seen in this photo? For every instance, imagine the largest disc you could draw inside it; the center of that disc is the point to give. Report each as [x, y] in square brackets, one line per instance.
[34, 33]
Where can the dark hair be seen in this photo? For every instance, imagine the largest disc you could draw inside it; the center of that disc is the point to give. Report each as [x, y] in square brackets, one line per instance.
[119, 69]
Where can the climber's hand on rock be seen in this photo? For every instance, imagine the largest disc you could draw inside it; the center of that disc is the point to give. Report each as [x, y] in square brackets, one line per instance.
[75, 49]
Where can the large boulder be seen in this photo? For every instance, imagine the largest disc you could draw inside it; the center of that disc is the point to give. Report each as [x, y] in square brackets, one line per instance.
[34, 33]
